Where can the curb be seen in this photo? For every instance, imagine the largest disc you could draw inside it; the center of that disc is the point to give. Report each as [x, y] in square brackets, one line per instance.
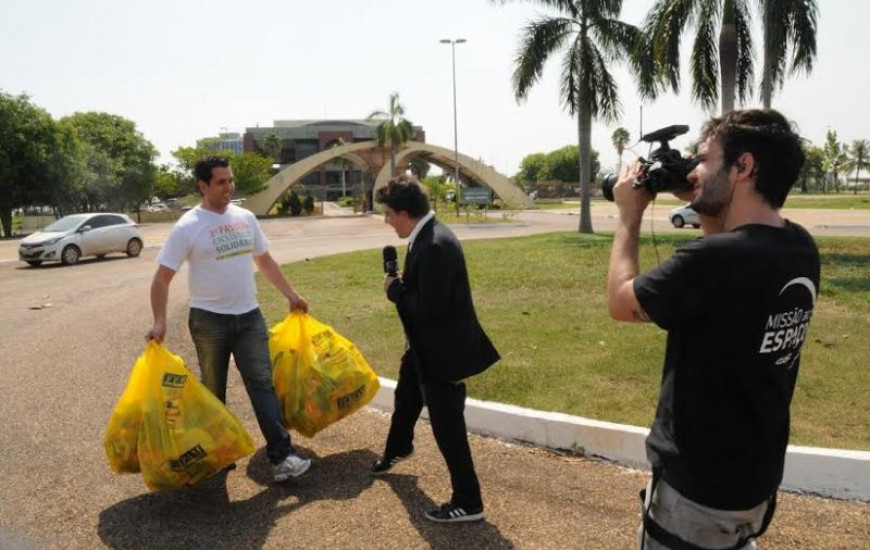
[832, 473]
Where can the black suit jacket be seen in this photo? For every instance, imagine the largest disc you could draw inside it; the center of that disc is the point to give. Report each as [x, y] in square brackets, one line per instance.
[433, 299]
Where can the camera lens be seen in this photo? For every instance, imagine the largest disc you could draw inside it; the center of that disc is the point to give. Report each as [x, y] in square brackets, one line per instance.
[607, 186]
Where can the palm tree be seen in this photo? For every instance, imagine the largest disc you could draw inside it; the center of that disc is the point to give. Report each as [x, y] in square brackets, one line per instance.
[834, 160]
[343, 164]
[591, 37]
[786, 23]
[860, 157]
[419, 167]
[620, 139]
[663, 28]
[393, 129]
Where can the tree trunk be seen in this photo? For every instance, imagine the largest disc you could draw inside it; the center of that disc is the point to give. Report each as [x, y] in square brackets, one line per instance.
[584, 130]
[766, 82]
[6, 221]
[728, 56]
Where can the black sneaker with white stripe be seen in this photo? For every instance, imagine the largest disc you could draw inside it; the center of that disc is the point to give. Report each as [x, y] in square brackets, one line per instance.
[386, 462]
[450, 513]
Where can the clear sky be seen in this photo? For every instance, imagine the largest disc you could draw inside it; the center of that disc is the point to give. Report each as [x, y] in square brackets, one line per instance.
[184, 69]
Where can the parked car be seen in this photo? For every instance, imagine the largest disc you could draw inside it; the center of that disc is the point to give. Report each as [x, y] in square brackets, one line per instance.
[75, 236]
[158, 207]
[683, 216]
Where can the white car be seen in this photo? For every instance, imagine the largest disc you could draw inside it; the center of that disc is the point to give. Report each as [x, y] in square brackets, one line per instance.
[684, 216]
[78, 235]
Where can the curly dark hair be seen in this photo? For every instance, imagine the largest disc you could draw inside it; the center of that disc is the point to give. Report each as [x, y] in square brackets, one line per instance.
[404, 193]
[770, 139]
[203, 168]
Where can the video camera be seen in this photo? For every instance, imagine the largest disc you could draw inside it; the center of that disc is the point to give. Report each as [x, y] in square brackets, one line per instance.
[665, 171]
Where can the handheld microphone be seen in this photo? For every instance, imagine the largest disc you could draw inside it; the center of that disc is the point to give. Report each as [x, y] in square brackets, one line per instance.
[391, 261]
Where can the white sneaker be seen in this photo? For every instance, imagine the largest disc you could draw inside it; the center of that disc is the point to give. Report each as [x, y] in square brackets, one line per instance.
[292, 466]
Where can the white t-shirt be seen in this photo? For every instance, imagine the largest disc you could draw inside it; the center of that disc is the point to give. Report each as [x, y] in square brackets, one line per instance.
[219, 249]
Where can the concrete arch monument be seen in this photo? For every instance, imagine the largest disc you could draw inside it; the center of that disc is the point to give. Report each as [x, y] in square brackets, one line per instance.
[367, 154]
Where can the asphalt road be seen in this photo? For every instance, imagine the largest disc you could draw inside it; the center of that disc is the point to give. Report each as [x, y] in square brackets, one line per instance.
[72, 335]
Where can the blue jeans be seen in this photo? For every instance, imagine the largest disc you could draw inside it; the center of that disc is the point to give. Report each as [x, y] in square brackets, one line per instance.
[216, 336]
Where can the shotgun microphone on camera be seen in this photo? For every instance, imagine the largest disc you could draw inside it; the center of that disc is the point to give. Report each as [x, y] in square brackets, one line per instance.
[391, 261]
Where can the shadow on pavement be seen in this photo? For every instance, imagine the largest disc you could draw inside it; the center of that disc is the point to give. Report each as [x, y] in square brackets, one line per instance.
[204, 517]
[439, 536]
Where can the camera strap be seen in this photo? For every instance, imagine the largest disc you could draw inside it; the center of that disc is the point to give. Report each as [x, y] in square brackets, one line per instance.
[674, 542]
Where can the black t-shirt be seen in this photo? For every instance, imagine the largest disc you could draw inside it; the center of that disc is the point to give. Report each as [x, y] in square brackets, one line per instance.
[736, 306]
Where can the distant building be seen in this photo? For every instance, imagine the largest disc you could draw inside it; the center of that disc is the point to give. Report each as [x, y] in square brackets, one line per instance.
[302, 138]
[225, 141]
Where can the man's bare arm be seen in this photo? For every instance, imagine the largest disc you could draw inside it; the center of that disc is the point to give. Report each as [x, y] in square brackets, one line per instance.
[159, 300]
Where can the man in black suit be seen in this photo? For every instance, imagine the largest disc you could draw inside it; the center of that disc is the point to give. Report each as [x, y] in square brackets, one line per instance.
[444, 345]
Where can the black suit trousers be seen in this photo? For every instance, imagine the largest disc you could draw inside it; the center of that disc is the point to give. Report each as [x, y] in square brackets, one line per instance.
[446, 404]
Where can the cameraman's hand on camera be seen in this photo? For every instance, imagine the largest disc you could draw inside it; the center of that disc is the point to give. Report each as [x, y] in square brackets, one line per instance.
[632, 200]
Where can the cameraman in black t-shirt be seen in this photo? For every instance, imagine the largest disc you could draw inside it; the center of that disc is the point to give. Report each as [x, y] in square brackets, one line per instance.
[736, 304]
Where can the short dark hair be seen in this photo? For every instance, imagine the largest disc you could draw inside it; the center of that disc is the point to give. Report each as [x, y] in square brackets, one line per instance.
[404, 193]
[767, 136]
[203, 168]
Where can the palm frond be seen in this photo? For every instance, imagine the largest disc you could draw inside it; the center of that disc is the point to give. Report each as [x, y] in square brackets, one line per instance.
[569, 84]
[617, 39]
[561, 6]
[745, 52]
[705, 56]
[663, 28]
[802, 35]
[538, 41]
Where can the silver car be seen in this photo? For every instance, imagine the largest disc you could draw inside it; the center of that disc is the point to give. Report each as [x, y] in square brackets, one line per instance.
[683, 216]
[72, 237]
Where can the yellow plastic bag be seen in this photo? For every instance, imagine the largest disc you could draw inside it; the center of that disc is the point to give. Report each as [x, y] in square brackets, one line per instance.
[320, 376]
[183, 433]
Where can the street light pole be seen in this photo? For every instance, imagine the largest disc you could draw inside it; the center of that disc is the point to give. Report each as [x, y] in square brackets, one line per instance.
[453, 44]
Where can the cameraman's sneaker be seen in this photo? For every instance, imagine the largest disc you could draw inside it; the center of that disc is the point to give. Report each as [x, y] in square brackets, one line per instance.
[386, 462]
[292, 466]
[450, 513]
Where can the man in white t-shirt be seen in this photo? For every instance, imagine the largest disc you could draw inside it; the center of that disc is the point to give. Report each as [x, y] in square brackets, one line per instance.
[221, 242]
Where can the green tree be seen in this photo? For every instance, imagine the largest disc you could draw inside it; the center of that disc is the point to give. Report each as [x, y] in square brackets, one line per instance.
[437, 188]
[592, 37]
[272, 146]
[564, 165]
[620, 138]
[251, 171]
[27, 136]
[419, 167]
[308, 204]
[813, 170]
[343, 165]
[294, 204]
[787, 25]
[530, 167]
[858, 159]
[120, 161]
[393, 130]
[168, 182]
[835, 160]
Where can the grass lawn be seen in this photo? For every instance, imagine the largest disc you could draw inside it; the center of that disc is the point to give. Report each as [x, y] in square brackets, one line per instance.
[831, 201]
[542, 301]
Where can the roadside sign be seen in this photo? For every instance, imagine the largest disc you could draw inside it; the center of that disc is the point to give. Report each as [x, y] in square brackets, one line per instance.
[476, 195]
